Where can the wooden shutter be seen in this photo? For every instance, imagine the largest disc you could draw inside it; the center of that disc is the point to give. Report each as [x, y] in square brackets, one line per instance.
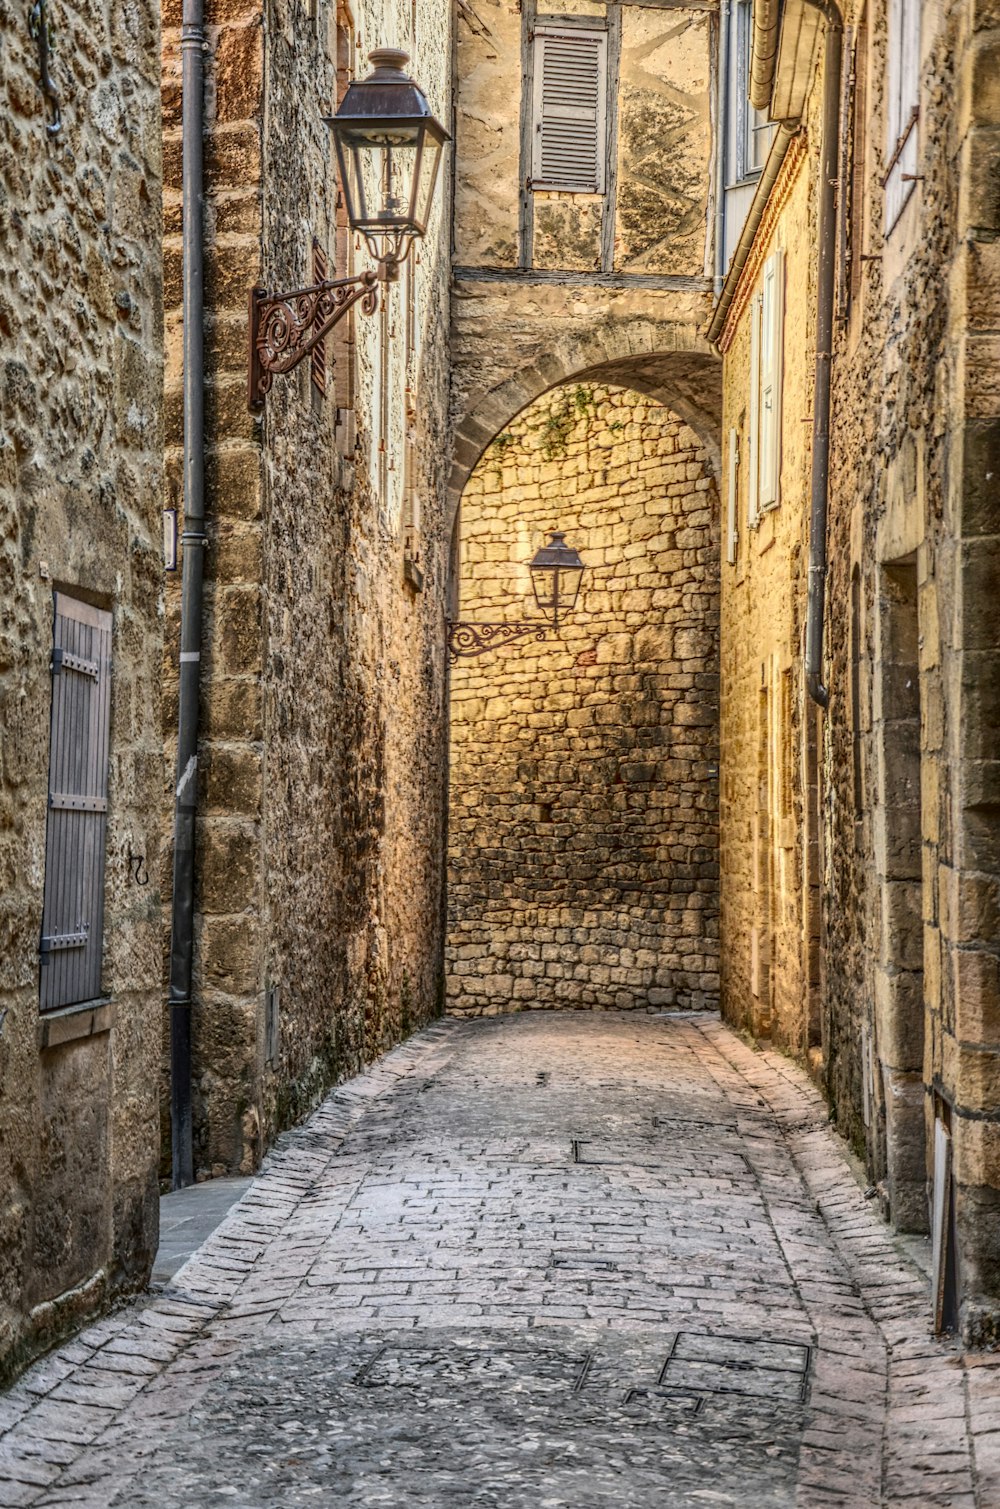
[72, 941]
[569, 110]
[771, 331]
[753, 473]
[732, 488]
[903, 101]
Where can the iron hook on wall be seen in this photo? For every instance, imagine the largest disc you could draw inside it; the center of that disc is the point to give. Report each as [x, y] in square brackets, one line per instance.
[41, 35]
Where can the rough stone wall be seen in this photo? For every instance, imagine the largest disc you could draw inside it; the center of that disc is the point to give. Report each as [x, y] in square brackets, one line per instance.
[906, 761]
[322, 797]
[80, 463]
[912, 494]
[583, 863]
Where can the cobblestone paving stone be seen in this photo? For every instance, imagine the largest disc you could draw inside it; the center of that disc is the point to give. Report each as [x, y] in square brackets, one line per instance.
[540, 1260]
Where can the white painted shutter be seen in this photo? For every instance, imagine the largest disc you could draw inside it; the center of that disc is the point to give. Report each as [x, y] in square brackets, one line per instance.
[72, 943]
[753, 510]
[903, 99]
[569, 110]
[732, 484]
[771, 330]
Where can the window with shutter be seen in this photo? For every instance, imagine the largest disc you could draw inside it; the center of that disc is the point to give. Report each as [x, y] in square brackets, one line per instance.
[771, 323]
[766, 340]
[72, 942]
[569, 110]
[902, 105]
[732, 488]
[753, 475]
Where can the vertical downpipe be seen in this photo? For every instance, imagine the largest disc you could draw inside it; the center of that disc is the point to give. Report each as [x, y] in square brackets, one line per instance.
[826, 276]
[193, 542]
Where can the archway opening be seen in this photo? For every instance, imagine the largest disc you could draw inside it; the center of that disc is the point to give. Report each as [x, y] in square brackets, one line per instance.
[583, 852]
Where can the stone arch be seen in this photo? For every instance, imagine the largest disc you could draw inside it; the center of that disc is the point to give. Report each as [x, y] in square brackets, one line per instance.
[665, 359]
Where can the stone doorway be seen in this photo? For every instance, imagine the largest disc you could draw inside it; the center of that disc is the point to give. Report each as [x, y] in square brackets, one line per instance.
[583, 858]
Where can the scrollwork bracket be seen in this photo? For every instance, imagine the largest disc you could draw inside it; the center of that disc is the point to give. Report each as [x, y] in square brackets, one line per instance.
[284, 327]
[467, 639]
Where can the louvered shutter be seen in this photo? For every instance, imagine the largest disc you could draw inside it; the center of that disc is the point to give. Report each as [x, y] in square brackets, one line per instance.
[569, 110]
[72, 941]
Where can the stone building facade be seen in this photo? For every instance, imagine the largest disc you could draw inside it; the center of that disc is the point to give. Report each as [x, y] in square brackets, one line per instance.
[80, 630]
[892, 805]
[320, 834]
[555, 283]
[583, 835]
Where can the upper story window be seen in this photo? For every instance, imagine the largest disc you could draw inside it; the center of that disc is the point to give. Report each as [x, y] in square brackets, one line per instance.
[569, 110]
[902, 105]
[749, 132]
[767, 320]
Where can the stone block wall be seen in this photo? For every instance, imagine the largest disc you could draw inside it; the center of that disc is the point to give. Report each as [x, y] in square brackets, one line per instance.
[322, 786]
[765, 721]
[81, 350]
[583, 861]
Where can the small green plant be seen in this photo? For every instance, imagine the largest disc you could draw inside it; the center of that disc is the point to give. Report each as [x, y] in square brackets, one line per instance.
[499, 447]
[572, 405]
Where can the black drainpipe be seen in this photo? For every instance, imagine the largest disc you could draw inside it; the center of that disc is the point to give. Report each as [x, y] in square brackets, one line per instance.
[193, 542]
[826, 278]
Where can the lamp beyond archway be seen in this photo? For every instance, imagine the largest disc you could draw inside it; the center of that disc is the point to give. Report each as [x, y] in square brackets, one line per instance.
[389, 149]
[556, 573]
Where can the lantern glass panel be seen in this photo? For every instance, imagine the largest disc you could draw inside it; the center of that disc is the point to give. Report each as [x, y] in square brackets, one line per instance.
[556, 588]
[428, 164]
[378, 168]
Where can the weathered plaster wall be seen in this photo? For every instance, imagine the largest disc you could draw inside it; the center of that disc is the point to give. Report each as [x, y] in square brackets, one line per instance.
[321, 835]
[80, 461]
[583, 851]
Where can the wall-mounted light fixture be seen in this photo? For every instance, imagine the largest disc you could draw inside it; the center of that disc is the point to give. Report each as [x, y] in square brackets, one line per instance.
[389, 149]
[556, 573]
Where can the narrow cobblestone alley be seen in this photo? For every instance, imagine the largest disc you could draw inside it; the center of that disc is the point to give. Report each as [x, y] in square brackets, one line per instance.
[541, 1260]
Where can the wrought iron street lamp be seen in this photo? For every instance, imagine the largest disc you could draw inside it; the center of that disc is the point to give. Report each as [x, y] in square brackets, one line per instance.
[389, 149]
[556, 573]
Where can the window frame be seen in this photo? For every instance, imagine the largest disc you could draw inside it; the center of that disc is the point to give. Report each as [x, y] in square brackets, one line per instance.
[745, 125]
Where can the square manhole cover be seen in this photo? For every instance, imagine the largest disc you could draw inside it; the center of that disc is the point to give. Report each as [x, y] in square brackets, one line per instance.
[777, 1370]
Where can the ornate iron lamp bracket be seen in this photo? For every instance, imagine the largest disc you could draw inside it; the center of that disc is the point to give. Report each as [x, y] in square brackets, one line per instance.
[284, 327]
[466, 639]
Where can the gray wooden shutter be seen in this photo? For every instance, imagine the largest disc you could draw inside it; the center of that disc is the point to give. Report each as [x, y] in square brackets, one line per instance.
[569, 110]
[72, 942]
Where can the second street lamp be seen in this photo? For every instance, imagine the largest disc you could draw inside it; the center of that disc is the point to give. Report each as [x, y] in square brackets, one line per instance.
[389, 148]
[556, 573]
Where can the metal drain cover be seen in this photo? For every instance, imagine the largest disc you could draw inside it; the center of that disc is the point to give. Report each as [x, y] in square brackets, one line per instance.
[751, 1366]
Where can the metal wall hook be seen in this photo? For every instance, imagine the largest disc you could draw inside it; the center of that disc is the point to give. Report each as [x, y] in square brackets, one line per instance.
[38, 25]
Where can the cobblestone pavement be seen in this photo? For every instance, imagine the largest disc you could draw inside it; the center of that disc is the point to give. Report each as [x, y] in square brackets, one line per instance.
[526, 1262]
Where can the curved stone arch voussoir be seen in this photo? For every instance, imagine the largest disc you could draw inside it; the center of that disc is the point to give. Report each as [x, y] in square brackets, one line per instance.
[668, 361]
